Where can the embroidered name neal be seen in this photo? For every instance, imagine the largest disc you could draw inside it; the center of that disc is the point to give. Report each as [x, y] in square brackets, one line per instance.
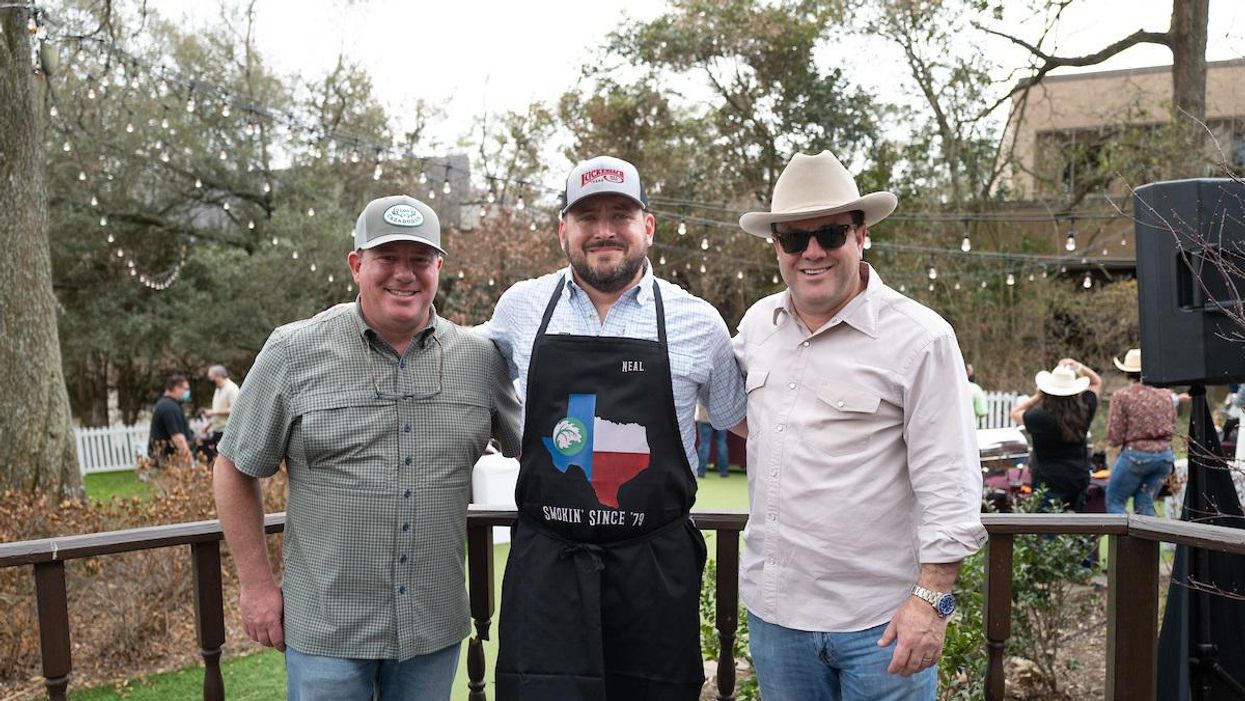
[633, 366]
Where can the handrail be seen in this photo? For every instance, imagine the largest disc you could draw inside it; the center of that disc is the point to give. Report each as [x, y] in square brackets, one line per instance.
[1132, 588]
[1199, 535]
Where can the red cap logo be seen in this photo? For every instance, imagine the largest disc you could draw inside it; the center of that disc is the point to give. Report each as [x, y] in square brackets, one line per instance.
[612, 175]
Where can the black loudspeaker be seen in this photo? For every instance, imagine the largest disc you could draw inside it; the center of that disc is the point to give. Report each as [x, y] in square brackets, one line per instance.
[1190, 281]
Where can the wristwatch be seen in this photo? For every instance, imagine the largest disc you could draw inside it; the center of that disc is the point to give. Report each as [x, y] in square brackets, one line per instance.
[943, 602]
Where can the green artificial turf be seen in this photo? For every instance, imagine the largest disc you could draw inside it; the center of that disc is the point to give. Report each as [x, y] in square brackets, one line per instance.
[123, 484]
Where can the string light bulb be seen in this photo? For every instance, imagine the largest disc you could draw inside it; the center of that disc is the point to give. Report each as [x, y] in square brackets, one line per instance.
[251, 225]
[1088, 282]
[682, 229]
[868, 243]
[491, 197]
[531, 227]
[312, 267]
[774, 279]
[294, 255]
[1011, 280]
[224, 109]
[190, 104]
[520, 205]
[103, 220]
[662, 260]
[267, 187]
[377, 172]
[198, 184]
[965, 245]
[94, 201]
[739, 275]
[53, 112]
[129, 127]
[311, 212]
[445, 186]
[933, 272]
[704, 244]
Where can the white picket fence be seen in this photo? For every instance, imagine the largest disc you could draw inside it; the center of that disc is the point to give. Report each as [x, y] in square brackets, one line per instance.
[998, 406]
[114, 448]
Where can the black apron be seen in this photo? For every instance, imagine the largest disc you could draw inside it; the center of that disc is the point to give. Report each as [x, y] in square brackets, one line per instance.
[600, 599]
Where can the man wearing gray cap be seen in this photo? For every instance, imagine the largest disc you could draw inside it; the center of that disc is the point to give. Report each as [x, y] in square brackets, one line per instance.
[601, 591]
[379, 409]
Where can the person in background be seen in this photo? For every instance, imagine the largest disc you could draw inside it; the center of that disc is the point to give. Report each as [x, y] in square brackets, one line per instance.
[1141, 421]
[977, 394]
[222, 404]
[1057, 417]
[710, 437]
[171, 436]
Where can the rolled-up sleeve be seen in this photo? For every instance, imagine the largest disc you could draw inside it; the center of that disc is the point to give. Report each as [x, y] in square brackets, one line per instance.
[944, 463]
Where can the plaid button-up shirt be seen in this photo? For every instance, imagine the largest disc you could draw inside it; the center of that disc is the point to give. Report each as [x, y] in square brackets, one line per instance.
[378, 489]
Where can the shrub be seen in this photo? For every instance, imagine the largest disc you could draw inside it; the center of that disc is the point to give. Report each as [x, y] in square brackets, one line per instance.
[127, 609]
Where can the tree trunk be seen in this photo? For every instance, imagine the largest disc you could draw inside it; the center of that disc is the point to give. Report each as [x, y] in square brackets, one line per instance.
[36, 438]
[1188, 45]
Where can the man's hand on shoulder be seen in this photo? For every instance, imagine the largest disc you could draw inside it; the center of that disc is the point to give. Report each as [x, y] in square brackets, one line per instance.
[920, 632]
[263, 614]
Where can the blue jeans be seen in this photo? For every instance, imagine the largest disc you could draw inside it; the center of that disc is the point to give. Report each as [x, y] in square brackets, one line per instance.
[318, 678]
[1140, 475]
[797, 665]
[708, 435]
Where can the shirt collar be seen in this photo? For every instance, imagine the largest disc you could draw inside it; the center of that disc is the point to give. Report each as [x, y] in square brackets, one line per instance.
[861, 312]
[436, 326]
[642, 291]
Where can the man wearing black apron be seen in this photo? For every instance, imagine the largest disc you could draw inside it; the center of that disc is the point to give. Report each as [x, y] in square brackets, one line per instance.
[601, 591]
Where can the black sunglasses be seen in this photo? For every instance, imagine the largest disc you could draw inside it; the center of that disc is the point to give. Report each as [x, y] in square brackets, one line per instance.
[829, 237]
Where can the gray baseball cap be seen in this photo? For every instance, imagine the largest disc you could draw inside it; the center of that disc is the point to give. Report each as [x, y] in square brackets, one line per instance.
[397, 218]
[600, 176]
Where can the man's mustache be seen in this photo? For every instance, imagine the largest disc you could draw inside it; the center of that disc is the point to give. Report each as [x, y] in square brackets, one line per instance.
[605, 244]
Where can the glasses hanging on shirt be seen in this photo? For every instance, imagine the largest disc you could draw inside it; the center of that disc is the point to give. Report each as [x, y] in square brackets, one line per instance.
[392, 397]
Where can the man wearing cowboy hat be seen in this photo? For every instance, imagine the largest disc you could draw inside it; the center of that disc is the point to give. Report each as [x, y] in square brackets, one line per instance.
[1141, 421]
[863, 469]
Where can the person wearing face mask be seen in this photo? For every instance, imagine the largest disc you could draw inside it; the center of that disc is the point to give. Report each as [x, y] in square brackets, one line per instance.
[170, 432]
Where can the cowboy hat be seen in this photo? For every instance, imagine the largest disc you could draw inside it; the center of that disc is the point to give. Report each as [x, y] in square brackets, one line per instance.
[814, 186]
[1060, 382]
[1132, 361]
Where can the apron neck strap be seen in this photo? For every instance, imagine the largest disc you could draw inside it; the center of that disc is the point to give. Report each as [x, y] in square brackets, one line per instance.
[557, 293]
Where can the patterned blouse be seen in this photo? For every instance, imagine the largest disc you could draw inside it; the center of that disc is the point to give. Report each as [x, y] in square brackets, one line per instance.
[1141, 418]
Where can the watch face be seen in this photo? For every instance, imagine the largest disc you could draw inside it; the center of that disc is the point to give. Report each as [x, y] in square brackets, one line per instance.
[946, 605]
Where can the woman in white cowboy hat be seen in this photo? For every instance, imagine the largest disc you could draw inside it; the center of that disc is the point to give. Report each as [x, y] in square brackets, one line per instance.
[1057, 418]
[1141, 422]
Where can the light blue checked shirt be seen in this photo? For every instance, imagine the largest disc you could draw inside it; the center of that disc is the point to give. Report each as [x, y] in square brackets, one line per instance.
[702, 361]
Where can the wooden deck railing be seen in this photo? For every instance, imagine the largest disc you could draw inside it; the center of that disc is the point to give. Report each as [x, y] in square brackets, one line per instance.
[1132, 588]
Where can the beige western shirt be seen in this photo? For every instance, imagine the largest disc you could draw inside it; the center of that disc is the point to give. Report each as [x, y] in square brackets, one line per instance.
[222, 400]
[862, 459]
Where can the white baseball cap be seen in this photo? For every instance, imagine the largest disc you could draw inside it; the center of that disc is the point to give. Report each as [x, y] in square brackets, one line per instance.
[601, 176]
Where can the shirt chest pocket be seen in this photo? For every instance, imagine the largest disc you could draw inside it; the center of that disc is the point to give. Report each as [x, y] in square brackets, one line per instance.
[348, 442]
[847, 416]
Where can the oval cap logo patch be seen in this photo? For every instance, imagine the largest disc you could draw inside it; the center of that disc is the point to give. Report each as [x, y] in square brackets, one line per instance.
[403, 215]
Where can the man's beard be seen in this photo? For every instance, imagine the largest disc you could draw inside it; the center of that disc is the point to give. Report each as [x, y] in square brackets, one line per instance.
[610, 279]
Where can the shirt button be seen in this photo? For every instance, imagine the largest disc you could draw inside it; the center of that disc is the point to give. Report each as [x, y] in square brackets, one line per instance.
[402, 589]
[402, 364]
[402, 559]
[839, 404]
[406, 527]
[771, 562]
[408, 458]
[771, 516]
[779, 428]
[805, 344]
[407, 428]
[406, 494]
[773, 473]
[791, 385]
